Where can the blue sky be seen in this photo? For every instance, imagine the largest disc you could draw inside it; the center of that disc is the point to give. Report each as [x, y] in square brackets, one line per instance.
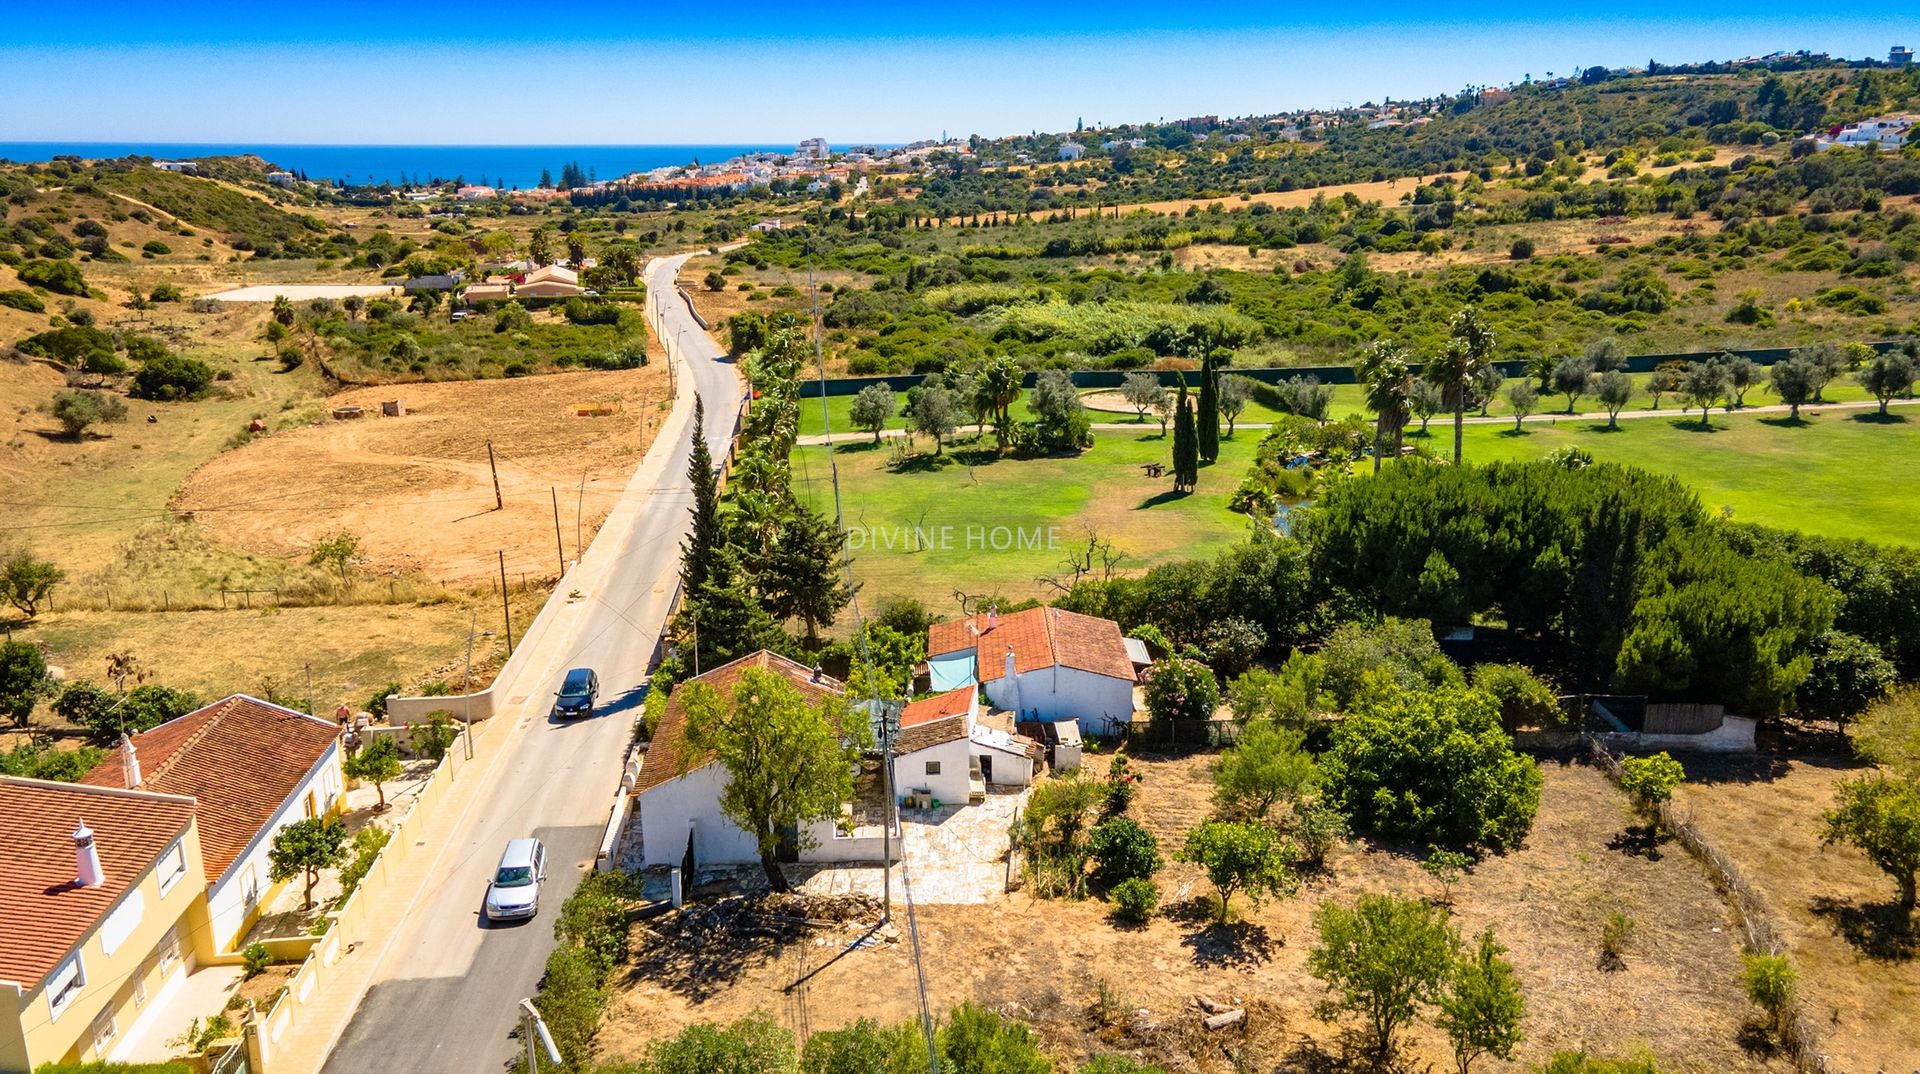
[749, 71]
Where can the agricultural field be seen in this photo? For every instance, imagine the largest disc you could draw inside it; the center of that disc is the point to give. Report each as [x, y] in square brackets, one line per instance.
[1081, 980]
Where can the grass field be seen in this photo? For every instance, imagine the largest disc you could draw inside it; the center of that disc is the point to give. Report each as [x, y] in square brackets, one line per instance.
[1834, 473]
[996, 526]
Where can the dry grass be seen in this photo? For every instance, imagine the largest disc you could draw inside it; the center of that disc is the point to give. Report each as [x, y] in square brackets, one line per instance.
[1859, 968]
[1678, 995]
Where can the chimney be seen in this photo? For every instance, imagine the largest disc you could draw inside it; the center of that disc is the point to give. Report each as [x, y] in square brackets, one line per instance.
[87, 857]
[816, 673]
[1009, 663]
[993, 616]
[130, 762]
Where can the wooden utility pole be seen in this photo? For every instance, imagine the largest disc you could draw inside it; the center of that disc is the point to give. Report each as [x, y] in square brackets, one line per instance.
[497, 503]
[506, 610]
[579, 508]
[559, 545]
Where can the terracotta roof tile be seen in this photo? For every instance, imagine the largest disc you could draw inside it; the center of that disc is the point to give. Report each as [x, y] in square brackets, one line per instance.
[1039, 638]
[668, 748]
[939, 706]
[43, 910]
[239, 759]
[930, 733]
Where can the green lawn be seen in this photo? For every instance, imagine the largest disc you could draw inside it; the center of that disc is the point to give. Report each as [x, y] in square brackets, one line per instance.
[1841, 473]
[999, 525]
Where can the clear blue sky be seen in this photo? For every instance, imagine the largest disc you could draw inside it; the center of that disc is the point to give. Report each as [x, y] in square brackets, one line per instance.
[749, 71]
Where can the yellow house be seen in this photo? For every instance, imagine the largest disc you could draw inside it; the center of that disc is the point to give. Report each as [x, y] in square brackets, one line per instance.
[102, 894]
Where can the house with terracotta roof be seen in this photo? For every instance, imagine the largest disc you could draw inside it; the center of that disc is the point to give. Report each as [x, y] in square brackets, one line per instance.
[250, 768]
[1043, 665]
[948, 750]
[102, 900]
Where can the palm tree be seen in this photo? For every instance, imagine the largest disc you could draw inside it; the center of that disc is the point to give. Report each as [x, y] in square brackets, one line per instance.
[999, 388]
[1469, 349]
[1383, 370]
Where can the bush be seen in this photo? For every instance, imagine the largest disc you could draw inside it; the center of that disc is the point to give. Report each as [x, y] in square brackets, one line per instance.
[865, 1047]
[60, 277]
[1399, 652]
[39, 758]
[1242, 857]
[170, 378]
[592, 934]
[367, 844]
[377, 704]
[1521, 249]
[432, 738]
[155, 248]
[1433, 767]
[114, 1068]
[255, 959]
[1123, 850]
[579, 310]
[22, 300]
[1181, 691]
[753, 1045]
[1771, 982]
[1849, 673]
[976, 1040]
[167, 292]
[1526, 700]
[78, 411]
[1615, 934]
[1582, 1063]
[1134, 900]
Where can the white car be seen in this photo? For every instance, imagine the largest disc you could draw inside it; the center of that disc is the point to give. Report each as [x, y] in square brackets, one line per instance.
[514, 892]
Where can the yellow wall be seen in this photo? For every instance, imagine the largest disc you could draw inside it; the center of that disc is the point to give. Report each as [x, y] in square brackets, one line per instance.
[30, 1036]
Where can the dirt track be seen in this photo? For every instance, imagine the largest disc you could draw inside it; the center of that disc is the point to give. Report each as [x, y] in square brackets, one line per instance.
[417, 489]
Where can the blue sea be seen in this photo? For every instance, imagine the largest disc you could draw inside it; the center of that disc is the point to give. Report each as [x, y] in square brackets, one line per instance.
[504, 166]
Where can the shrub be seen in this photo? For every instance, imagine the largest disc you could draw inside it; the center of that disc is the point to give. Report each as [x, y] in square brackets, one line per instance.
[1123, 850]
[432, 738]
[377, 704]
[865, 1047]
[23, 679]
[753, 1045]
[580, 310]
[1268, 766]
[1615, 934]
[1650, 781]
[367, 844]
[39, 758]
[78, 411]
[1521, 249]
[170, 378]
[1134, 900]
[60, 277]
[167, 292]
[1382, 958]
[1432, 766]
[976, 1040]
[1525, 699]
[255, 959]
[1317, 829]
[1181, 691]
[1849, 674]
[1771, 982]
[22, 300]
[155, 248]
[1582, 1063]
[1242, 857]
[1396, 651]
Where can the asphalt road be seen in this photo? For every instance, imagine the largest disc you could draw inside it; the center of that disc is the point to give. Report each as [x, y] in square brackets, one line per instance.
[446, 991]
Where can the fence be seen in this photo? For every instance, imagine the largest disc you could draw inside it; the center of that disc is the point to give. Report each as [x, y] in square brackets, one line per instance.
[1749, 910]
[298, 594]
[1325, 374]
[347, 926]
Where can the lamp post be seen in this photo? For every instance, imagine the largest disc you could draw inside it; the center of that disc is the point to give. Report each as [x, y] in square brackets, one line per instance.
[466, 683]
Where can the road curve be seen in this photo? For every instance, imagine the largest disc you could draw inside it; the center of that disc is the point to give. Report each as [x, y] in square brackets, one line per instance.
[445, 989]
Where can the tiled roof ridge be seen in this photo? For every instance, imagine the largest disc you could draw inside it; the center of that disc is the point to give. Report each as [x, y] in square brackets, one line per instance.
[186, 746]
[95, 788]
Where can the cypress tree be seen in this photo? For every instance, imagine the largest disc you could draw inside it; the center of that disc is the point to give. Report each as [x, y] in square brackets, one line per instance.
[1209, 415]
[1186, 461]
[704, 542]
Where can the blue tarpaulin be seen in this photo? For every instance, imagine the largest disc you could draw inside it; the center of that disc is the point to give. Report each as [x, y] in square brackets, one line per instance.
[951, 671]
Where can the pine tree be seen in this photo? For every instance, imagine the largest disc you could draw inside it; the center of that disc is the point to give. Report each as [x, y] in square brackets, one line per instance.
[801, 576]
[1186, 460]
[722, 620]
[1209, 415]
[704, 542]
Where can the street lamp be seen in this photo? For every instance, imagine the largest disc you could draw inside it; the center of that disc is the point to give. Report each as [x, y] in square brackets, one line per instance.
[466, 683]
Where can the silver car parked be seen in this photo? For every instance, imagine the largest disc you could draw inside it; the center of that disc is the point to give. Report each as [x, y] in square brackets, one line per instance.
[514, 893]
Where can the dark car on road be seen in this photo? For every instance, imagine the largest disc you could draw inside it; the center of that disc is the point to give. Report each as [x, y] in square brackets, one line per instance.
[577, 694]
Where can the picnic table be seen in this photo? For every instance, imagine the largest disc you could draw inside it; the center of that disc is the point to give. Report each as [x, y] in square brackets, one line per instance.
[1154, 469]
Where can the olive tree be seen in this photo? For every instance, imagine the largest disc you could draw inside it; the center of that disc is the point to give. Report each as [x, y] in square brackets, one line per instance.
[1615, 390]
[1888, 376]
[1382, 958]
[1143, 392]
[1523, 398]
[871, 409]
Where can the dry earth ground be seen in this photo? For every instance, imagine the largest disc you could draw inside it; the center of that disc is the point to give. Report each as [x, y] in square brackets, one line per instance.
[418, 490]
[1678, 994]
[1859, 968]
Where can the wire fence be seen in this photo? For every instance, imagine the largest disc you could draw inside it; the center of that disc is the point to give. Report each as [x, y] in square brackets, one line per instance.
[1749, 908]
[296, 593]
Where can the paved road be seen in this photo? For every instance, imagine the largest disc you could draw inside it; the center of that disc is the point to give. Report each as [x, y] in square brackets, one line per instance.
[445, 992]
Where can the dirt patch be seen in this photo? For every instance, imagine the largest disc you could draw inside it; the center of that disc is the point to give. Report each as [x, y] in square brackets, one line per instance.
[418, 490]
[1859, 966]
[1091, 987]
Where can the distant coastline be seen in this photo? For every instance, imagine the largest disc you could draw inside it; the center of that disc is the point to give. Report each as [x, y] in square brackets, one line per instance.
[504, 166]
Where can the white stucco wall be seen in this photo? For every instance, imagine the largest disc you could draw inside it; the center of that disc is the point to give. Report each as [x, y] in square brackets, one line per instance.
[1063, 693]
[666, 810]
[1009, 769]
[231, 899]
[950, 785]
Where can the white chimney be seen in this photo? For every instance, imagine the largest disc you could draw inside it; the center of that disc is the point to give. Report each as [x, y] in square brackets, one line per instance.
[129, 762]
[1009, 663]
[993, 616]
[87, 857]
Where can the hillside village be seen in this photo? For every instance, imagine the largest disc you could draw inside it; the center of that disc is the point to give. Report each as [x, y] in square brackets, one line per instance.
[1412, 585]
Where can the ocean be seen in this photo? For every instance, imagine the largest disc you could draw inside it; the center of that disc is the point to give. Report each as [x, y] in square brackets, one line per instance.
[504, 166]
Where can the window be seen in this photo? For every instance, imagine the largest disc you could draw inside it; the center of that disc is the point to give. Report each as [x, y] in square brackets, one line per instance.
[933, 768]
[122, 922]
[169, 948]
[65, 985]
[250, 887]
[104, 1031]
[173, 866]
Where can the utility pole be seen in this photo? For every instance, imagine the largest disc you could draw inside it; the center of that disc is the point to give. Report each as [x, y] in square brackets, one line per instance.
[886, 822]
[579, 508]
[506, 610]
[310, 711]
[559, 545]
[497, 503]
[466, 682]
